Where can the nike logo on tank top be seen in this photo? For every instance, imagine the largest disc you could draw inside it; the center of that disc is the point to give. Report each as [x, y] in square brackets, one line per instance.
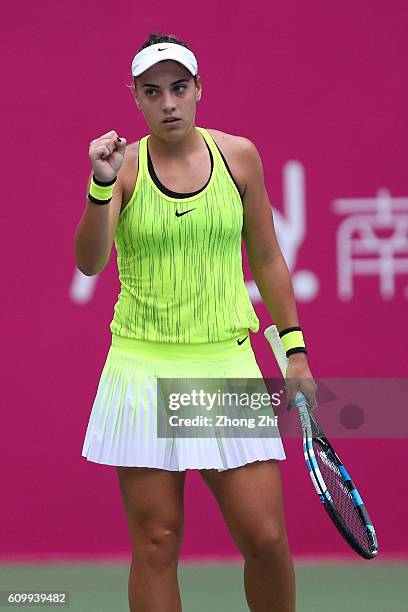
[181, 274]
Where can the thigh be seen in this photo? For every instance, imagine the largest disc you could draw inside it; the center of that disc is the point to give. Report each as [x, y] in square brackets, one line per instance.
[250, 499]
[153, 498]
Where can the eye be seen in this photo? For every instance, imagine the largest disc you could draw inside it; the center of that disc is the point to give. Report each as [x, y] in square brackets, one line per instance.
[183, 87]
[150, 91]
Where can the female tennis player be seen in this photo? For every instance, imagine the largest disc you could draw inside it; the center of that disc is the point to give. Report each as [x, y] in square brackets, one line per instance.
[177, 204]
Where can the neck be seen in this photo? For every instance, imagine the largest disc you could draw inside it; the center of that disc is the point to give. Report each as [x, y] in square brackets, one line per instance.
[181, 148]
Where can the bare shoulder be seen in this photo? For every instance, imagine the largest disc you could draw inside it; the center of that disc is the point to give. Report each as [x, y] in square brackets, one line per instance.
[133, 147]
[129, 162]
[131, 154]
[128, 173]
[238, 145]
[242, 157]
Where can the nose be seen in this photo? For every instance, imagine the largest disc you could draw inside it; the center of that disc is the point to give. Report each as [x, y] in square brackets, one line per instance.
[168, 102]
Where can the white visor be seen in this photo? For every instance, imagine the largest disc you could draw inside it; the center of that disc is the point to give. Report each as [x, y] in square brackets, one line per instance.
[158, 52]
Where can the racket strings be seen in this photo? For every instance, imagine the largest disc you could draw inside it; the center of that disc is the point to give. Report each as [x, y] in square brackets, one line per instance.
[341, 496]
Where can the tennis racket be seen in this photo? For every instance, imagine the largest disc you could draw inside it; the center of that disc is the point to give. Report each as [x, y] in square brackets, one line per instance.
[332, 482]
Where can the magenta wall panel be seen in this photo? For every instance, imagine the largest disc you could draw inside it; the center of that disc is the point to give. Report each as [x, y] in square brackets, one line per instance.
[321, 89]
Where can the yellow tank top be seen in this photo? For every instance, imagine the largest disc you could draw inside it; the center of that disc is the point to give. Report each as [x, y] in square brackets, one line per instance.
[179, 259]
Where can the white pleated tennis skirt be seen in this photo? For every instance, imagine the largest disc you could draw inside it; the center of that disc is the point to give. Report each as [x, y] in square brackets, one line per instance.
[122, 428]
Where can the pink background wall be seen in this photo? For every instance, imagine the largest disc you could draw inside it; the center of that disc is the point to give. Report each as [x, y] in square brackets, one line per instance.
[320, 84]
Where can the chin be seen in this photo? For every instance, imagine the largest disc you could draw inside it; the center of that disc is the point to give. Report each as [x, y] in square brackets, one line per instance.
[173, 135]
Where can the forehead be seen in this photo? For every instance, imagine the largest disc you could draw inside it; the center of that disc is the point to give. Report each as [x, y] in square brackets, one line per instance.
[165, 71]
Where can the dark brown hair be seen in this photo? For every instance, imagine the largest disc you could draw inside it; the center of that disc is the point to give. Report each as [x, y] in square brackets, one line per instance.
[156, 37]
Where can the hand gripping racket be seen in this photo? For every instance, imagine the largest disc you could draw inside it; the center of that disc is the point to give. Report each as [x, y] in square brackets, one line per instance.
[332, 482]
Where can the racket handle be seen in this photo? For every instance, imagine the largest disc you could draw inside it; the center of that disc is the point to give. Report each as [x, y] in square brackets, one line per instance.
[272, 335]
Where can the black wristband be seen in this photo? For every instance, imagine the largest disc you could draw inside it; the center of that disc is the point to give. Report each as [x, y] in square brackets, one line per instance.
[288, 329]
[101, 184]
[297, 349]
[96, 201]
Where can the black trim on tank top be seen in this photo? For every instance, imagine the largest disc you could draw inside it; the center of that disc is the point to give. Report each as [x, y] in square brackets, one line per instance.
[228, 168]
[169, 192]
[176, 194]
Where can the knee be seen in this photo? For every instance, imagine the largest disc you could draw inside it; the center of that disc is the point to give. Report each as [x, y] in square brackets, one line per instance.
[266, 544]
[158, 546]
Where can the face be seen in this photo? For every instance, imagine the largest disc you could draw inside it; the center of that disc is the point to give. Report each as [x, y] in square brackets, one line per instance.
[166, 90]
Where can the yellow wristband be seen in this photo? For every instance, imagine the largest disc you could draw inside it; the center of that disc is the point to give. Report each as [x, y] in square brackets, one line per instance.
[292, 340]
[101, 193]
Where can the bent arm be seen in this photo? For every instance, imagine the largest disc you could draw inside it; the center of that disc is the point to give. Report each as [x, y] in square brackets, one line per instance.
[94, 234]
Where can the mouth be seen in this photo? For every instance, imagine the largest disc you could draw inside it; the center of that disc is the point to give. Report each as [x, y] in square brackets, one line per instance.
[171, 120]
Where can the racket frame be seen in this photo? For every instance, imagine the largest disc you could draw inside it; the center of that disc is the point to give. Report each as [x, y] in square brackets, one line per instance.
[313, 432]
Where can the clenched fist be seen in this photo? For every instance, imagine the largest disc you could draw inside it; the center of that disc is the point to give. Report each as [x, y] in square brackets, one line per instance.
[107, 154]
